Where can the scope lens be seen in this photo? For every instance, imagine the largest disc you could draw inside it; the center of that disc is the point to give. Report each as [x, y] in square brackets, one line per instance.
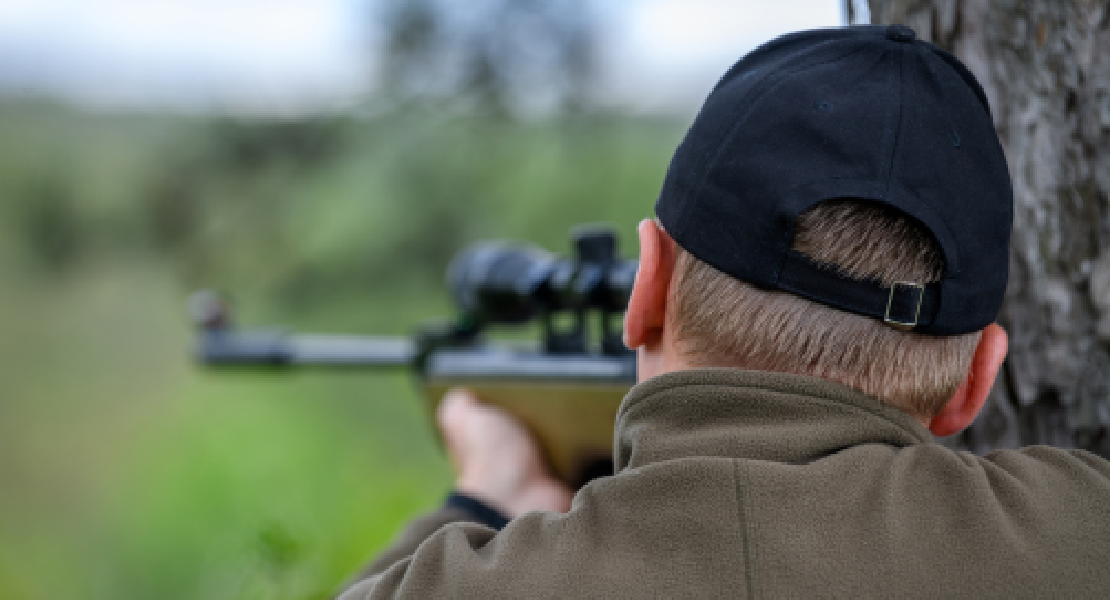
[498, 282]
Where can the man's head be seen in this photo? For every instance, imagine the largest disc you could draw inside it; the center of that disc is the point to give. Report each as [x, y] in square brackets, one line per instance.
[840, 208]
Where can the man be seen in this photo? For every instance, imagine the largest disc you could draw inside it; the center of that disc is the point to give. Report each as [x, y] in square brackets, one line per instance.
[816, 297]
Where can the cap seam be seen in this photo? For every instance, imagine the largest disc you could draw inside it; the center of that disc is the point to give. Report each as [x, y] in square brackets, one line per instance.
[890, 128]
[898, 133]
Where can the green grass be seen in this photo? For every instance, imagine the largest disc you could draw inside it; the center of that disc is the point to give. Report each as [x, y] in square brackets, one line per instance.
[130, 473]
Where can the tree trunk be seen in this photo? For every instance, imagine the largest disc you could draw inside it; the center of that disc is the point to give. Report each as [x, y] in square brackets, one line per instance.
[1045, 66]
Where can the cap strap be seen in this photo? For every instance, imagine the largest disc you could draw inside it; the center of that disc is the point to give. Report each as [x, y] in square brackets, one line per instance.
[903, 305]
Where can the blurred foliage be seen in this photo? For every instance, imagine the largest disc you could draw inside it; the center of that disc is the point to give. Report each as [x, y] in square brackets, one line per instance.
[126, 472]
[299, 210]
[497, 57]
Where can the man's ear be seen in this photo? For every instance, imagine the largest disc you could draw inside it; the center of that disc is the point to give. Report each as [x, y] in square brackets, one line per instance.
[972, 394]
[647, 307]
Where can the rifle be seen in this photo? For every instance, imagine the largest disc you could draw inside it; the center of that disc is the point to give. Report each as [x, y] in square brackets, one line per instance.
[566, 389]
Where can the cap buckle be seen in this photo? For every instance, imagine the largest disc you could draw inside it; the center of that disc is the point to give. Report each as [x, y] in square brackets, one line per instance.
[904, 325]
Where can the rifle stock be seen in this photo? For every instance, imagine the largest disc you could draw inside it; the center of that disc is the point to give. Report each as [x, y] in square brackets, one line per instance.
[568, 402]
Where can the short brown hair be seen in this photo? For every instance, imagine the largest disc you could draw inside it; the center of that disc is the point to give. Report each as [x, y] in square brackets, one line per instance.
[722, 321]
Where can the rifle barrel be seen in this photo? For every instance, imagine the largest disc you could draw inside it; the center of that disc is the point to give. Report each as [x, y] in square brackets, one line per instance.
[277, 349]
[481, 363]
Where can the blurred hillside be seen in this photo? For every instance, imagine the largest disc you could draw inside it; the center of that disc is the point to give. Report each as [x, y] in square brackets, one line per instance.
[128, 473]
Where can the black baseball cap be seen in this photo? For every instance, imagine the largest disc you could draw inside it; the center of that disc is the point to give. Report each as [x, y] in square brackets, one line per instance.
[863, 112]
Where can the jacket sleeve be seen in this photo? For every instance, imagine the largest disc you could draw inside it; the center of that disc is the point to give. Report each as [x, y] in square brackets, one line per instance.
[458, 508]
[451, 556]
[410, 538]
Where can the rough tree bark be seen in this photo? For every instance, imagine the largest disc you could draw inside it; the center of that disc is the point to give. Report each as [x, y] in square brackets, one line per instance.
[1045, 66]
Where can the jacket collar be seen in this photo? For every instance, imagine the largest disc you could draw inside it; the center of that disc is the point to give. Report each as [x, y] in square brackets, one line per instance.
[757, 415]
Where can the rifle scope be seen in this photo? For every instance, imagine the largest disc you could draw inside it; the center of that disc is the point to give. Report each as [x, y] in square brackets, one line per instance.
[506, 282]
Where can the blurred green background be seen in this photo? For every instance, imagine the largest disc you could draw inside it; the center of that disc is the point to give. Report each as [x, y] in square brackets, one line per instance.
[129, 472]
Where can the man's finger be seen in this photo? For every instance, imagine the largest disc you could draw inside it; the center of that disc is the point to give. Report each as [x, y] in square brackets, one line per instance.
[454, 409]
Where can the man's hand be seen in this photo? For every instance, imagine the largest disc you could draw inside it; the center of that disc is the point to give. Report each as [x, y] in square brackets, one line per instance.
[496, 459]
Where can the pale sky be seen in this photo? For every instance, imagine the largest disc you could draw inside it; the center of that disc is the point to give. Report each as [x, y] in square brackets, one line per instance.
[285, 55]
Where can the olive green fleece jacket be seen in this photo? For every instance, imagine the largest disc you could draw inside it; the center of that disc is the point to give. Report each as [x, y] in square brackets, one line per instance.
[745, 484]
